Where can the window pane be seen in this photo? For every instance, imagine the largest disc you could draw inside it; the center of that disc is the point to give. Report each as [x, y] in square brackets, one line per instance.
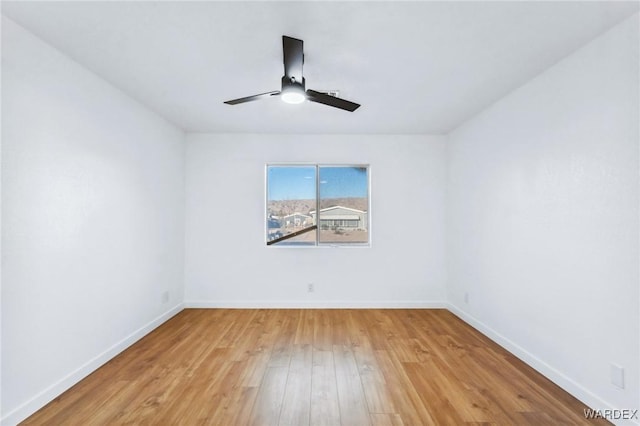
[344, 204]
[291, 196]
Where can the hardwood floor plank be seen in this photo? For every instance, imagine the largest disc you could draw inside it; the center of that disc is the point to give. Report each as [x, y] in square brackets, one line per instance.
[323, 330]
[341, 321]
[284, 332]
[229, 399]
[375, 387]
[296, 406]
[351, 398]
[268, 403]
[404, 396]
[444, 406]
[386, 419]
[325, 409]
[206, 392]
[141, 405]
[234, 409]
[304, 328]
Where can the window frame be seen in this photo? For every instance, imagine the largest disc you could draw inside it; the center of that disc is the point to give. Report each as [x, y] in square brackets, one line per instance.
[317, 243]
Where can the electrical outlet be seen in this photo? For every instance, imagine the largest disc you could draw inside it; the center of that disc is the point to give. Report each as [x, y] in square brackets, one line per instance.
[617, 376]
[310, 287]
[165, 297]
[466, 297]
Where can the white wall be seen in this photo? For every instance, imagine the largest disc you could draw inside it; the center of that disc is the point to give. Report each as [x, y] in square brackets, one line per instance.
[1, 256]
[228, 263]
[543, 219]
[92, 220]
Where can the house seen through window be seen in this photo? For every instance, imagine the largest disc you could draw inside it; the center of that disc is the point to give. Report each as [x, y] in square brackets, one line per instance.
[309, 205]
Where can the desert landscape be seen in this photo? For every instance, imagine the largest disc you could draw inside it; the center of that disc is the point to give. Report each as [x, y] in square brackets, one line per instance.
[326, 237]
[281, 208]
[278, 209]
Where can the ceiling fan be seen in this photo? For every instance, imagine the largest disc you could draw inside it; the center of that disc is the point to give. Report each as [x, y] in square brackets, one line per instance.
[293, 83]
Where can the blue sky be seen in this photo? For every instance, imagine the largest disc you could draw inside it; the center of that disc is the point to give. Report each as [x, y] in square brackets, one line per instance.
[298, 183]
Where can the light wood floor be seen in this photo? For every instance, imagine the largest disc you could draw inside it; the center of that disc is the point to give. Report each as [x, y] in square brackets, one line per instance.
[314, 367]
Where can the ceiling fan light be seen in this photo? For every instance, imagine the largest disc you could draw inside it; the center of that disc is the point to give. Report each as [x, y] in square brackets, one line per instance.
[292, 95]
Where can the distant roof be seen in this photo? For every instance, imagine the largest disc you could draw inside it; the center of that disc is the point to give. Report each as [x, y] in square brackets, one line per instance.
[298, 214]
[340, 217]
[338, 207]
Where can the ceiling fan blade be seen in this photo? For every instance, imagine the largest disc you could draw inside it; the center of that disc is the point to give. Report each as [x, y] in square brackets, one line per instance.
[293, 58]
[252, 98]
[323, 98]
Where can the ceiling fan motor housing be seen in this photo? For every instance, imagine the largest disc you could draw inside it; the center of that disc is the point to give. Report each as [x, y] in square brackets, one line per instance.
[291, 82]
[293, 91]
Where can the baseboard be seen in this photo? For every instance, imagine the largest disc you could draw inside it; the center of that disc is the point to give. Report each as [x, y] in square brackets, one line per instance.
[332, 304]
[47, 395]
[565, 382]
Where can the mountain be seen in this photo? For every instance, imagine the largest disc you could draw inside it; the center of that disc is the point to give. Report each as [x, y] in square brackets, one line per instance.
[282, 208]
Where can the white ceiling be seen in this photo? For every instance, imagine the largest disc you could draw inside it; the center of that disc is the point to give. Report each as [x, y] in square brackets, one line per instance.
[416, 67]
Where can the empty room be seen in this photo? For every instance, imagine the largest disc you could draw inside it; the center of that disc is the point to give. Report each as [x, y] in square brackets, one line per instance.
[320, 213]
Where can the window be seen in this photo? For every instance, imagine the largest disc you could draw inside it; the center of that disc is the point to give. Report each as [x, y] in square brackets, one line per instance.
[311, 205]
